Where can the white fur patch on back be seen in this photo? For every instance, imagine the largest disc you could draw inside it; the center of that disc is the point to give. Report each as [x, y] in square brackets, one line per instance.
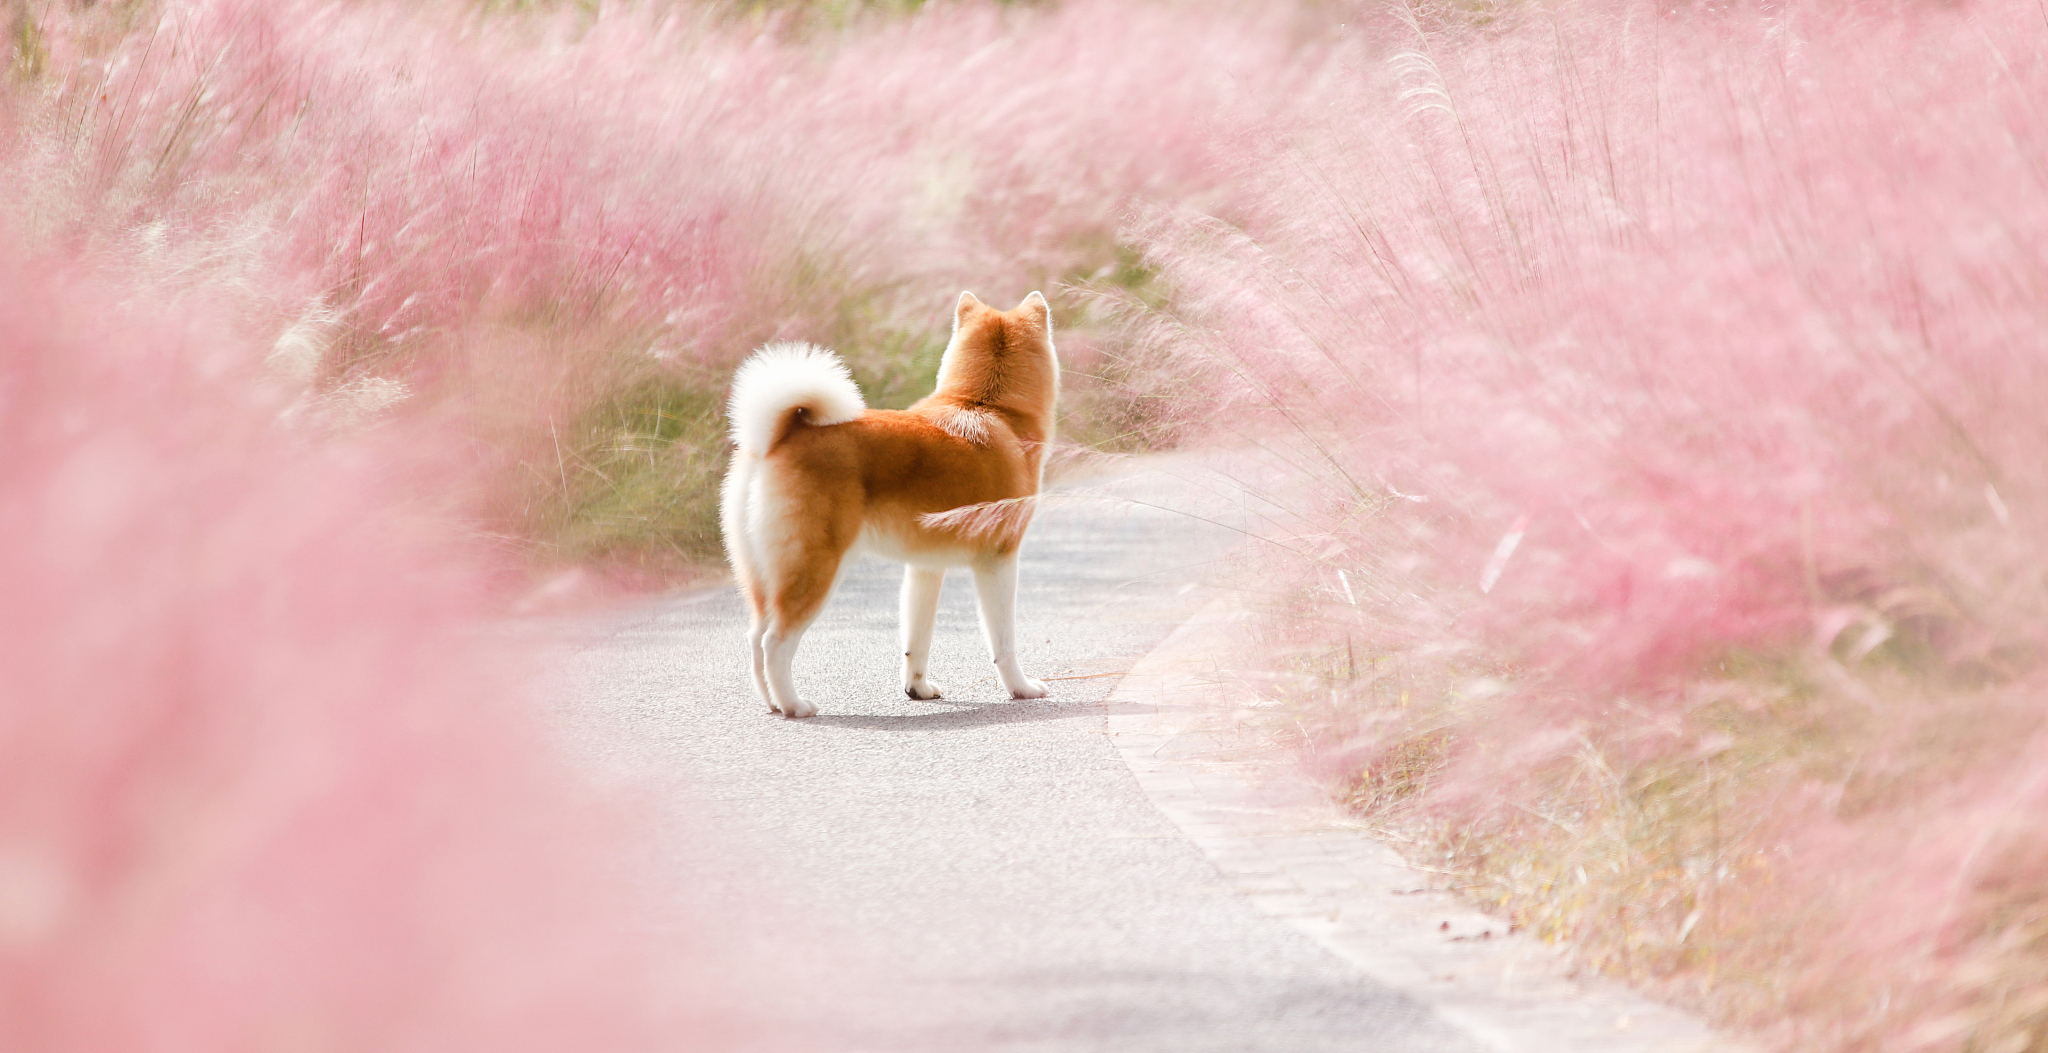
[968, 424]
[785, 375]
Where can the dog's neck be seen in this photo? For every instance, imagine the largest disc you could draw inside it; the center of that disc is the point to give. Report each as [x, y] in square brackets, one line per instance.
[994, 370]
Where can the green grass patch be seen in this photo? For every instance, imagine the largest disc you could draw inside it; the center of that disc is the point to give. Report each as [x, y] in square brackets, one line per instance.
[642, 479]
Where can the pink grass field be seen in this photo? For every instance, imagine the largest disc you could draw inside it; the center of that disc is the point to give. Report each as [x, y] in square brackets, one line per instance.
[536, 216]
[648, 191]
[260, 787]
[1666, 387]
[1656, 390]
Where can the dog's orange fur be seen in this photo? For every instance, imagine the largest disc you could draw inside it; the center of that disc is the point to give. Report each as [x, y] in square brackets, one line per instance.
[979, 438]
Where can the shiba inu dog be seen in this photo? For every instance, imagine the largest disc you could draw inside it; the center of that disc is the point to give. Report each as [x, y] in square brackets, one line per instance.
[948, 482]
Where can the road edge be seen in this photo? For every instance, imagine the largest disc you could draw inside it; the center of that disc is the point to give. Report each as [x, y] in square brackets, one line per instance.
[1292, 853]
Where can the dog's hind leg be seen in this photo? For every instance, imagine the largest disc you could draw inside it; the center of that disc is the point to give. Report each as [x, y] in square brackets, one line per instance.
[757, 652]
[757, 628]
[732, 517]
[920, 611]
[793, 605]
[755, 593]
[995, 589]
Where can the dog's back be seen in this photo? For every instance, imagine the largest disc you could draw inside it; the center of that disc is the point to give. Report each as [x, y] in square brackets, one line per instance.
[947, 482]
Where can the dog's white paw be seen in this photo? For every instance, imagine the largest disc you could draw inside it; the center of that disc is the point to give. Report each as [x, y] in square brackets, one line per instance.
[794, 710]
[923, 690]
[1028, 689]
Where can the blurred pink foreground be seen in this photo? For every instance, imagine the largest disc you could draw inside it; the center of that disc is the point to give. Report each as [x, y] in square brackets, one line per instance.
[259, 789]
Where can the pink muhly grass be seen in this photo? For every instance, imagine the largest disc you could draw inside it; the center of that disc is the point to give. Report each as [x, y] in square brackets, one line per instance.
[262, 783]
[527, 218]
[702, 184]
[1665, 385]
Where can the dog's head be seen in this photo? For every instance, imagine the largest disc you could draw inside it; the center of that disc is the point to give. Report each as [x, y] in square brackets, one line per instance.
[1002, 358]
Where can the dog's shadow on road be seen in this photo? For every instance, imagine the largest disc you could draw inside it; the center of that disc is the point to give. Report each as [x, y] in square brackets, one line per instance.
[946, 714]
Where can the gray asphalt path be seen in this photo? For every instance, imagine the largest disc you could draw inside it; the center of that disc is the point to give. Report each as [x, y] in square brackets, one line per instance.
[973, 873]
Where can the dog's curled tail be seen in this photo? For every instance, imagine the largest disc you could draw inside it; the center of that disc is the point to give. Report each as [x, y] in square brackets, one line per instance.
[785, 381]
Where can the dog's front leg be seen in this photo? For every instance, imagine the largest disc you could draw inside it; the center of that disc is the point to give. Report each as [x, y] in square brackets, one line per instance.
[920, 611]
[995, 587]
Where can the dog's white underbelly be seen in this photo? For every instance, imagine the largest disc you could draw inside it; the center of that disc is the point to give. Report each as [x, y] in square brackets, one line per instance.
[883, 544]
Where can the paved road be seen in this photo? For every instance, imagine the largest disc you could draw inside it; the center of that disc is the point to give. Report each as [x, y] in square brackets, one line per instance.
[974, 873]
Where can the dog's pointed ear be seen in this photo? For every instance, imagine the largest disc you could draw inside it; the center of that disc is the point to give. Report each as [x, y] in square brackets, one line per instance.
[1035, 308]
[967, 304]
